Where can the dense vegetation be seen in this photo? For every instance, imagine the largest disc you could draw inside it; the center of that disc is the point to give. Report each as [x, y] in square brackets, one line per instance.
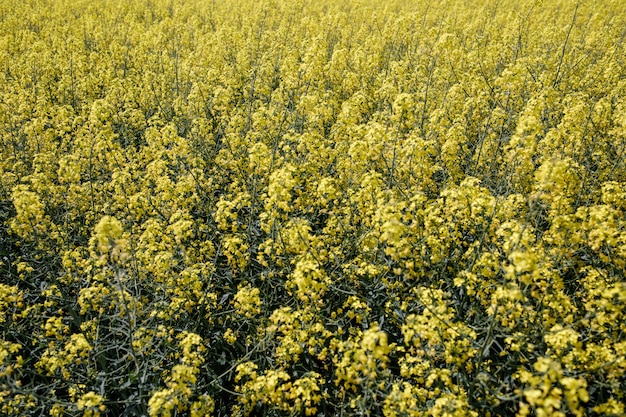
[278, 208]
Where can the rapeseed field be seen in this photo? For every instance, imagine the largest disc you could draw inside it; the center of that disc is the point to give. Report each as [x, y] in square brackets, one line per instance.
[312, 208]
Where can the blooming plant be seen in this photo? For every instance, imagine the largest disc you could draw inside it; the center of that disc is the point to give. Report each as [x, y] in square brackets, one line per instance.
[281, 208]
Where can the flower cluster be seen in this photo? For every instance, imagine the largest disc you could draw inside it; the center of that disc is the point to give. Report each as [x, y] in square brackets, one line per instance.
[278, 208]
